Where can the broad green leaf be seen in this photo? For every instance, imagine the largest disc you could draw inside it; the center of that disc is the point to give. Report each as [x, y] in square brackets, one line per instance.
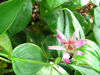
[54, 19]
[51, 4]
[79, 3]
[57, 60]
[60, 27]
[22, 18]
[51, 18]
[91, 55]
[69, 5]
[96, 31]
[99, 45]
[5, 44]
[96, 2]
[60, 21]
[91, 36]
[67, 67]
[57, 70]
[83, 22]
[27, 59]
[72, 24]
[77, 72]
[97, 16]
[33, 1]
[47, 71]
[84, 70]
[8, 13]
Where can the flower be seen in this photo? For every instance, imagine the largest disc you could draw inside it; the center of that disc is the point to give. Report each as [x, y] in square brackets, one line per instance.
[69, 46]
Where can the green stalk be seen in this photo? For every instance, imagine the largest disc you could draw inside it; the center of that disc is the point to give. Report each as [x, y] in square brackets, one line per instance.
[5, 60]
[5, 55]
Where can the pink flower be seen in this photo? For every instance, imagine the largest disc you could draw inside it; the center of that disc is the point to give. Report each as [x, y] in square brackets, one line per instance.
[68, 46]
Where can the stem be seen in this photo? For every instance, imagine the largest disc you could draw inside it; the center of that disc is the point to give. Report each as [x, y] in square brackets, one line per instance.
[3, 59]
[4, 55]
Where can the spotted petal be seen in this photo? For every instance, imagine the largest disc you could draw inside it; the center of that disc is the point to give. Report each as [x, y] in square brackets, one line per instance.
[60, 37]
[80, 43]
[78, 53]
[66, 57]
[56, 48]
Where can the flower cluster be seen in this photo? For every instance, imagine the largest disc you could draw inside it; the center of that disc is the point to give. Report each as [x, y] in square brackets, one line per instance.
[69, 46]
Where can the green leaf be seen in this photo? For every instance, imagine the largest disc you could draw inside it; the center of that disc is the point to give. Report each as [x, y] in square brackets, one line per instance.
[22, 18]
[46, 71]
[83, 22]
[91, 36]
[97, 16]
[33, 1]
[27, 59]
[57, 60]
[54, 18]
[67, 67]
[91, 55]
[51, 18]
[60, 27]
[77, 72]
[96, 31]
[60, 21]
[69, 5]
[8, 13]
[57, 70]
[72, 24]
[84, 70]
[79, 3]
[51, 4]
[5, 44]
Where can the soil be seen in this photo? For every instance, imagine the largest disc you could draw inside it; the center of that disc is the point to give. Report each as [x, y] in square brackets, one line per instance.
[84, 11]
[36, 19]
[36, 13]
